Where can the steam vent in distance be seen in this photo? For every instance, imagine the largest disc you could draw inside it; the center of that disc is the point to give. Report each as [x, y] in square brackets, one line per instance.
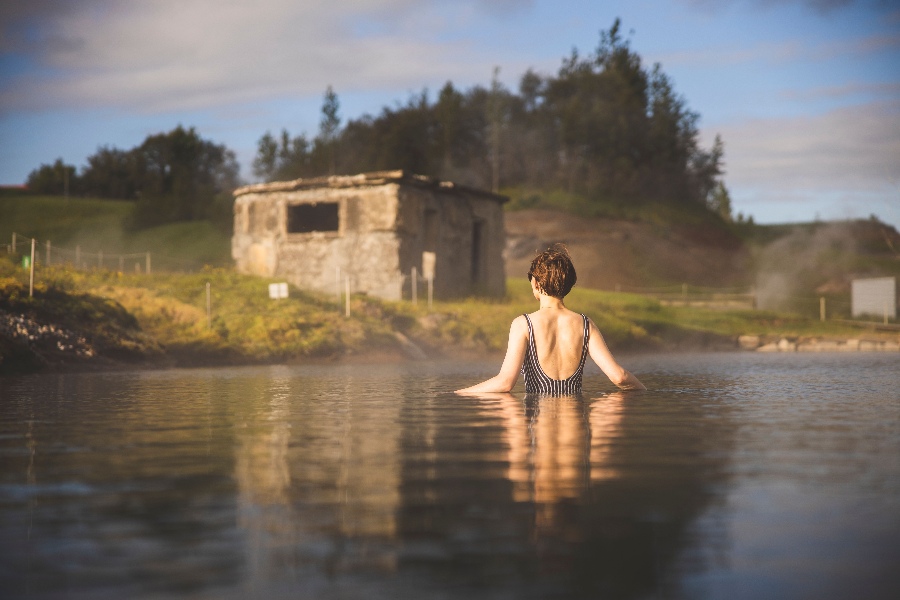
[373, 231]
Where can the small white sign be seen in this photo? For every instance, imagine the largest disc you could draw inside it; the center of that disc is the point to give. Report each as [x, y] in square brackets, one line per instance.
[429, 259]
[876, 296]
[278, 290]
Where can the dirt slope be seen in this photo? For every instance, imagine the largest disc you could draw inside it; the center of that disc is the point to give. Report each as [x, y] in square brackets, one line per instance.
[633, 255]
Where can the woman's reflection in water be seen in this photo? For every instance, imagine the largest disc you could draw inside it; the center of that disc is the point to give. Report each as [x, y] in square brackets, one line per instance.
[558, 444]
[560, 456]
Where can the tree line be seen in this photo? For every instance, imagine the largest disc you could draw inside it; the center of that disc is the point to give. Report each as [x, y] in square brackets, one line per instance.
[604, 128]
[174, 176]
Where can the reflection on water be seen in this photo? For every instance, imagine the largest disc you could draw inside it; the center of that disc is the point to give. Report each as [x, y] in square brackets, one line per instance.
[737, 476]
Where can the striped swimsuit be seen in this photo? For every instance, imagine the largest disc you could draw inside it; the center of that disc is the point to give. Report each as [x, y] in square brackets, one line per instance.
[537, 382]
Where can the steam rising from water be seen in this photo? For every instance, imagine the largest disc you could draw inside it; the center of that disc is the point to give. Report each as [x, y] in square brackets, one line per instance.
[807, 260]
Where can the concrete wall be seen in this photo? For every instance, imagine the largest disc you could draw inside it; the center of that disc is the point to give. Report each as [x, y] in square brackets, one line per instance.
[383, 231]
[452, 242]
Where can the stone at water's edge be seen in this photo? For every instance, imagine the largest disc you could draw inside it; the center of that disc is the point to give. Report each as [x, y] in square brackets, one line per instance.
[848, 345]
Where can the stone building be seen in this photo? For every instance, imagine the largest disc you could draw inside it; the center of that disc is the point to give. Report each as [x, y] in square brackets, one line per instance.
[372, 228]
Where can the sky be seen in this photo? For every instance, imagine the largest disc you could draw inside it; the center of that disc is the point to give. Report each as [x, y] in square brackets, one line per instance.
[804, 93]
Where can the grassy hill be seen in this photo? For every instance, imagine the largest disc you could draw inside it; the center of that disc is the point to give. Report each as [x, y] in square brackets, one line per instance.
[94, 226]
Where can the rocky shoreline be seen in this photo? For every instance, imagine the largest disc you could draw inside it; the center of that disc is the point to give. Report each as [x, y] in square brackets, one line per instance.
[760, 344]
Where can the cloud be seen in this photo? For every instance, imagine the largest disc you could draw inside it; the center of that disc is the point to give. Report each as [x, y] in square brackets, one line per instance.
[850, 89]
[784, 52]
[177, 55]
[851, 148]
[820, 6]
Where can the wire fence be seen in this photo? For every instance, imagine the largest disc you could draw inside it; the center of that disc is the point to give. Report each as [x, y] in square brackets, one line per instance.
[32, 251]
[75, 257]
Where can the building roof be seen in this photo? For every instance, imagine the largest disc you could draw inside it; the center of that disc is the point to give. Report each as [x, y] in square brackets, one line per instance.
[366, 180]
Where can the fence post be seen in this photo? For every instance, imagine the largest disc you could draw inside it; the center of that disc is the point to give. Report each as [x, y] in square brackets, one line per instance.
[148, 263]
[347, 295]
[430, 291]
[821, 308]
[337, 285]
[48, 252]
[31, 272]
[415, 286]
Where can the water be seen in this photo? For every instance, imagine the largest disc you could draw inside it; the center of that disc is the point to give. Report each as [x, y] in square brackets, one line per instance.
[736, 476]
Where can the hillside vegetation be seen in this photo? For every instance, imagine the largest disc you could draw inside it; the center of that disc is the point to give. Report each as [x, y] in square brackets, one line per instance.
[104, 318]
[101, 317]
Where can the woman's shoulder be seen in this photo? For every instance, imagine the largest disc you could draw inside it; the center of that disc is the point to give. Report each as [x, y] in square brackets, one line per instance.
[520, 322]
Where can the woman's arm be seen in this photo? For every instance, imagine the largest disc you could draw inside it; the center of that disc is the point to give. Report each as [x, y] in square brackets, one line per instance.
[601, 355]
[512, 363]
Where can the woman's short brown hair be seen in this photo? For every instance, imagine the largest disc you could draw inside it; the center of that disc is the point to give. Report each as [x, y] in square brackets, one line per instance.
[553, 271]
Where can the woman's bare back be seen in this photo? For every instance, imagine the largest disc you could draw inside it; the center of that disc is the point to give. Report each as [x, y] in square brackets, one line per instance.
[559, 340]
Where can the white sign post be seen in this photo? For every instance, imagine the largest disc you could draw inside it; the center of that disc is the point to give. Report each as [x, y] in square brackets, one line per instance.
[429, 259]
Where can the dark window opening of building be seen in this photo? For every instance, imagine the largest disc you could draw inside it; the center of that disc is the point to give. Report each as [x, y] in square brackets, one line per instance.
[306, 218]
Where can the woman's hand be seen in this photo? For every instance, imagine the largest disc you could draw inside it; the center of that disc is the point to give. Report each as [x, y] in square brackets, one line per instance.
[512, 363]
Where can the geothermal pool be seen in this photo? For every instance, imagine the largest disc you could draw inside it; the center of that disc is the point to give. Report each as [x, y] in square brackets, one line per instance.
[738, 475]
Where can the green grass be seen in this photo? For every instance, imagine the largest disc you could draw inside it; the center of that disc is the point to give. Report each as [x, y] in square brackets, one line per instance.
[94, 226]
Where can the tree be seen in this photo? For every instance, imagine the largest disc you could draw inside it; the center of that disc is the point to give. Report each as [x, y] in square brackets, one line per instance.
[705, 169]
[182, 178]
[328, 126]
[448, 117]
[265, 165]
[604, 128]
[719, 201]
[495, 125]
[112, 173]
[58, 178]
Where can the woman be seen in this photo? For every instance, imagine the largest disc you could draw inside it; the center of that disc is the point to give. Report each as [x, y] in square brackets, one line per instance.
[550, 346]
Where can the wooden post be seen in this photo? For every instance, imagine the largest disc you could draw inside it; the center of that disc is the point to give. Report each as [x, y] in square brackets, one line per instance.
[148, 263]
[337, 285]
[821, 308]
[208, 308]
[31, 272]
[48, 252]
[430, 291]
[415, 286]
[347, 294]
